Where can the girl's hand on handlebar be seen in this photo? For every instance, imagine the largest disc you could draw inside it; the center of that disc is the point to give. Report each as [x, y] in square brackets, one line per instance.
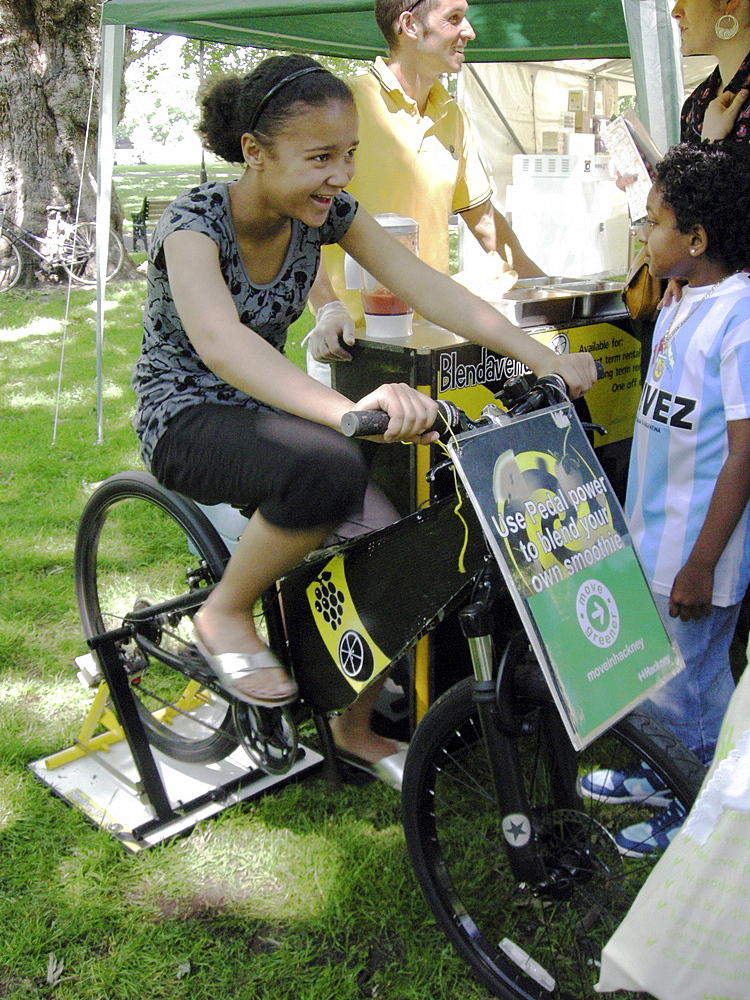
[411, 413]
[578, 370]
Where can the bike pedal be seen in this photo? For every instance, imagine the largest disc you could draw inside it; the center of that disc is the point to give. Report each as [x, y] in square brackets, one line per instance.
[89, 671]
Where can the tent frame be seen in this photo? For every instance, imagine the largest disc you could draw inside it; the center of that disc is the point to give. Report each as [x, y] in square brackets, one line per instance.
[652, 42]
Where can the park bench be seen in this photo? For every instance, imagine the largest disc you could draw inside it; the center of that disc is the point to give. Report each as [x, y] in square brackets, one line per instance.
[151, 209]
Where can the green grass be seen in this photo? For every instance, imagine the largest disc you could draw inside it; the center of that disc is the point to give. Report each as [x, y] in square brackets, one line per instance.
[134, 183]
[305, 893]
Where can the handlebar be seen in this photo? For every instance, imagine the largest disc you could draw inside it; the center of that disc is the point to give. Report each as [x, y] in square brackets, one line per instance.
[519, 395]
[367, 423]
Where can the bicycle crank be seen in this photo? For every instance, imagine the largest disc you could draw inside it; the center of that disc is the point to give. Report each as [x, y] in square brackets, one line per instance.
[268, 736]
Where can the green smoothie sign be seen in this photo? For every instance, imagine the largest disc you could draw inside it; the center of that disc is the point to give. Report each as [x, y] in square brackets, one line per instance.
[561, 539]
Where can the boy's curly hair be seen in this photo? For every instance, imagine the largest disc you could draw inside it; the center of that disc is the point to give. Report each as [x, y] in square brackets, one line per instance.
[710, 186]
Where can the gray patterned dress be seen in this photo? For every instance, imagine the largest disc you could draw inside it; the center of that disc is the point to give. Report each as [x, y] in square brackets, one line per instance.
[169, 375]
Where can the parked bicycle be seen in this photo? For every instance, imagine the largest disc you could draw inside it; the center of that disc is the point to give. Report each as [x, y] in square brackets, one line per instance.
[67, 247]
[531, 913]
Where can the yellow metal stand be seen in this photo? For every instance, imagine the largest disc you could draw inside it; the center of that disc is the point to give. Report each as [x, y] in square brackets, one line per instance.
[101, 714]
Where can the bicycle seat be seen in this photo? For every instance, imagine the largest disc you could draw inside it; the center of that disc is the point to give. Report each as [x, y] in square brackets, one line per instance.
[57, 208]
[227, 520]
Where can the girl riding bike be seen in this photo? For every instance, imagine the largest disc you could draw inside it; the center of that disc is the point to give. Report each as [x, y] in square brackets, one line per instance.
[222, 416]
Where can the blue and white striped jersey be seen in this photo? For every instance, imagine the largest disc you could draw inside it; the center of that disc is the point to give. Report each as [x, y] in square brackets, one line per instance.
[695, 384]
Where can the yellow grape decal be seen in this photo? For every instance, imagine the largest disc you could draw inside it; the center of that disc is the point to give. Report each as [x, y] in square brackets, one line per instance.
[340, 627]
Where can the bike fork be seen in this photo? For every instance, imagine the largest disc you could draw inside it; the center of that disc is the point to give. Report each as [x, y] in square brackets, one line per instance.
[502, 750]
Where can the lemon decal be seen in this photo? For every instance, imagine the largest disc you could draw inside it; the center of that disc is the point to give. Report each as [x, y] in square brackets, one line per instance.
[548, 509]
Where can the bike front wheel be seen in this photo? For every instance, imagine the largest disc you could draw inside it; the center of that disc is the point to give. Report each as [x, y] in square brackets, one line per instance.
[139, 545]
[10, 264]
[529, 941]
[79, 254]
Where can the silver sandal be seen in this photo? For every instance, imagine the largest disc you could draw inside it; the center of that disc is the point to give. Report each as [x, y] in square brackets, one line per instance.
[389, 770]
[232, 667]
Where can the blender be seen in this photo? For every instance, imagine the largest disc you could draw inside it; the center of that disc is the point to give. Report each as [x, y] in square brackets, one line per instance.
[386, 315]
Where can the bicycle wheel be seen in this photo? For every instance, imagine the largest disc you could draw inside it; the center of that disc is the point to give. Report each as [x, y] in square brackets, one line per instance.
[10, 264]
[139, 544]
[455, 840]
[79, 254]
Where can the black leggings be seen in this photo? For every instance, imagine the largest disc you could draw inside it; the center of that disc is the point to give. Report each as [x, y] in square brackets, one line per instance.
[298, 474]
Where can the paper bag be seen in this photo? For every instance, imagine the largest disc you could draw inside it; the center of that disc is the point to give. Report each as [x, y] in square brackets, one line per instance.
[642, 292]
[687, 934]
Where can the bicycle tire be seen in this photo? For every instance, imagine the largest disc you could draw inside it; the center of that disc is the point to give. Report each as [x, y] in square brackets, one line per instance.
[79, 254]
[137, 544]
[10, 264]
[453, 834]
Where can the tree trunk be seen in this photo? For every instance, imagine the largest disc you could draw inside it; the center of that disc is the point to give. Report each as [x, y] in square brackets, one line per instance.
[48, 65]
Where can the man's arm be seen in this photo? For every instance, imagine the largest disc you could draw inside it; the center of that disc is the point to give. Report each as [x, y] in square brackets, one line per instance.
[493, 232]
[693, 586]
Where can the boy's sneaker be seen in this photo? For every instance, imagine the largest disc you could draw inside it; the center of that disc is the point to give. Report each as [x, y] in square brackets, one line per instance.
[656, 834]
[637, 784]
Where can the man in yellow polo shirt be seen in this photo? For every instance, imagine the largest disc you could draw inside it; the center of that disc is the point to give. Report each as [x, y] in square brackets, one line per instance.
[416, 157]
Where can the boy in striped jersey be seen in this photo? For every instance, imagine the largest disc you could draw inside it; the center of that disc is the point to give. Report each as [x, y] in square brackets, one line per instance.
[689, 481]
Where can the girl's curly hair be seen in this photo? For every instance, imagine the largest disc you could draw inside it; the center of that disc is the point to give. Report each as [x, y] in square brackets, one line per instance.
[233, 105]
[710, 187]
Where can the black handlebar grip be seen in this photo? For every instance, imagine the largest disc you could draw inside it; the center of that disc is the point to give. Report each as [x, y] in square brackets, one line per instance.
[364, 423]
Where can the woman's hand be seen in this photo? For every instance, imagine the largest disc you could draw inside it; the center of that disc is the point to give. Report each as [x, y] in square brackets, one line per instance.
[578, 370]
[411, 412]
[721, 114]
[672, 293]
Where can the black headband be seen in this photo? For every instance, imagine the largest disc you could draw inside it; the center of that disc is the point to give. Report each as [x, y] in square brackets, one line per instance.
[277, 87]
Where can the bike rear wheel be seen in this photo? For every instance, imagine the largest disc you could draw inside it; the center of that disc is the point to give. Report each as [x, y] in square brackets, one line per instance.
[456, 843]
[79, 254]
[10, 264]
[139, 545]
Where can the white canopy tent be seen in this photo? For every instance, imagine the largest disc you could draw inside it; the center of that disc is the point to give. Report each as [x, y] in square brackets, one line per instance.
[515, 107]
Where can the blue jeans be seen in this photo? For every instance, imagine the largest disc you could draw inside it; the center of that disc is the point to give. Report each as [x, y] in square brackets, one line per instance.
[693, 703]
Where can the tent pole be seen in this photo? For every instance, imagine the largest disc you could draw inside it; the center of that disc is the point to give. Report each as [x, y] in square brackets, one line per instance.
[657, 67]
[495, 107]
[113, 54]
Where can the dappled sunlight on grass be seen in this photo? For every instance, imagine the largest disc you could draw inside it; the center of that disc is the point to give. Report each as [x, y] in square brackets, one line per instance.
[12, 791]
[115, 297]
[112, 391]
[388, 837]
[41, 326]
[267, 873]
[40, 705]
[51, 547]
[25, 400]
[70, 397]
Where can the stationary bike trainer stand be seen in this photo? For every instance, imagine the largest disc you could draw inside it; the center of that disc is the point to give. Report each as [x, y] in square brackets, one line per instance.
[141, 796]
